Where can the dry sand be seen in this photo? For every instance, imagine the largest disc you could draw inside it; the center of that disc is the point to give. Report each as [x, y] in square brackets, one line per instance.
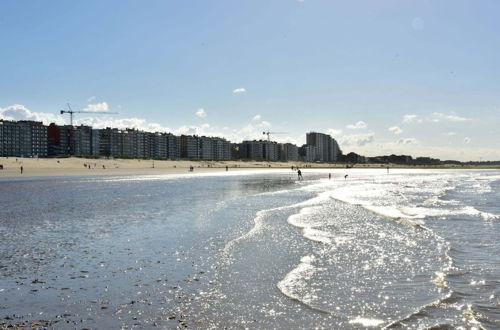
[33, 167]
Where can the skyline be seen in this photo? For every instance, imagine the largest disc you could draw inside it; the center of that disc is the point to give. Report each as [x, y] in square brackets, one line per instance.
[403, 78]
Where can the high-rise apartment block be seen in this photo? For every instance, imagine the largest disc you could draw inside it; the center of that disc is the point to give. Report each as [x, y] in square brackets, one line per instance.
[23, 139]
[261, 149]
[327, 148]
[289, 151]
[29, 138]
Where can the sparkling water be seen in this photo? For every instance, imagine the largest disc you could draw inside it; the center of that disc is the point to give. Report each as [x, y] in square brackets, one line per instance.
[408, 249]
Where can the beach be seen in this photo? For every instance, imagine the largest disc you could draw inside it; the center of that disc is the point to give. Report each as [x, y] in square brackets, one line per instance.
[254, 248]
[76, 166]
[73, 166]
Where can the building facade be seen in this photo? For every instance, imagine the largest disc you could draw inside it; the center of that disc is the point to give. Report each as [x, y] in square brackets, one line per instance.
[29, 138]
[190, 146]
[327, 148]
[23, 139]
[289, 151]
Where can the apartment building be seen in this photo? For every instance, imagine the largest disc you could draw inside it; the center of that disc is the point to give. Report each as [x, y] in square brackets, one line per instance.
[23, 139]
[327, 149]
[190, 146]
[289, 151]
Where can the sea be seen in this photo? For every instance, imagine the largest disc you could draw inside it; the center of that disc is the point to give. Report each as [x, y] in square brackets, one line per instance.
[366, 248]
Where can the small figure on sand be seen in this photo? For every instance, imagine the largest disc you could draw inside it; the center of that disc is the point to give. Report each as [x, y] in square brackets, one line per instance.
[329, 176]
[22, 170]
[299, 174]
[227, 168]
[191, 168]
[345, 176]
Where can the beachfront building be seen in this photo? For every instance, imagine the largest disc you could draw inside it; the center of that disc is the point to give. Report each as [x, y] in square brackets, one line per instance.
[327, 148]
[69, 140]
[173, 146]
[110, 142]
[95, 142]
[289, 151]
[251, 150]
[190, 147]
[271, 150]
[214, 148]
[28, 138]
[23, 138]
[235, 150]
[58, 140]
[261, 149]
[308, 153]
[207, 148]
[222, 148]
[166, 146]
[82, 141]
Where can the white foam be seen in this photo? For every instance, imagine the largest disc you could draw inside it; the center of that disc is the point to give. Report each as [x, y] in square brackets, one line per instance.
[485, 215]
[317, 235]
[294, 285]
[305, 218]
[366, 322]
[257, 227]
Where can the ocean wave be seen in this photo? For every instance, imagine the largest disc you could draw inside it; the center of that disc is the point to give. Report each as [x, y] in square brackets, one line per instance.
[295, 286]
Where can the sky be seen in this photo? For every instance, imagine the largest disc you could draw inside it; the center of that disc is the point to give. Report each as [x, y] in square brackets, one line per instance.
[420, 78]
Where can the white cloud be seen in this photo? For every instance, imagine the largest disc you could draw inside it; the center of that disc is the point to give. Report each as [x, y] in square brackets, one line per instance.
[97, 107]
[438, 116]
[264, 124]
[91, 99]
[239, 90]
[467, 140]
[407, 141]
[334, 132]
[409, 118]
[395, 129]
[357, 139]
[201, 113]
[122, 123]
[256, 117]
[20, 112]
[359, 125]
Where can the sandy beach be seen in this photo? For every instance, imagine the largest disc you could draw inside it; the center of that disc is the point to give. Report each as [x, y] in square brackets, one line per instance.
[75, 166]
[33, 167]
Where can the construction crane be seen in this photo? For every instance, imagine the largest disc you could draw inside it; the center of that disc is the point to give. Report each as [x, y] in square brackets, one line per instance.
[71, 112]
[269, 133]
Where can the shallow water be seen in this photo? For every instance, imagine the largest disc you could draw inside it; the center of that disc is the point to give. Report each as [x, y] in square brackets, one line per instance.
[409, 249]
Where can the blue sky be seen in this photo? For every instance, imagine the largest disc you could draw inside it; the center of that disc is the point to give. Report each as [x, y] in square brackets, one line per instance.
[412, 77]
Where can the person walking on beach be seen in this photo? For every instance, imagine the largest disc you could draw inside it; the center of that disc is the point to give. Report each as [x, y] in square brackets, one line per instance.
[22, 169]
[299, 174]
[227, 168]
[345, 176]
[329, 176]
